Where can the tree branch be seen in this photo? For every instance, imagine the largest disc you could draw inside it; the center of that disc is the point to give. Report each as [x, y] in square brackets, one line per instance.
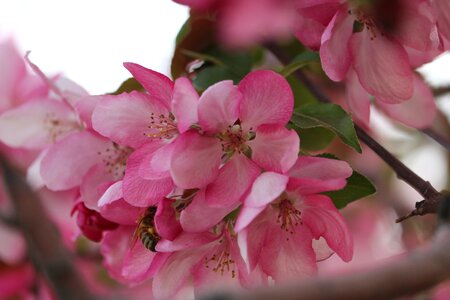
[43, 241]
[431, 195]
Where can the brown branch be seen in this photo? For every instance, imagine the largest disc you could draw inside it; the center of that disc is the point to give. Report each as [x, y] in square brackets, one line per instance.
[43, 240]
[431, 195]
[417, 271]
[443, 141]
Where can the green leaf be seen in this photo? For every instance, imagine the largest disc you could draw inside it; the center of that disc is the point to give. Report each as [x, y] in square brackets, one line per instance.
[330, 116]
[213, 74]
[358, 186]
[300, 61]
[315, 139]
[127, 86]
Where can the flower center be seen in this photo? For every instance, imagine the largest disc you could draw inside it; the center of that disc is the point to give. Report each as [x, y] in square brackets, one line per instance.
[56, 127]
[115, 159]
[221, 259]
[162, 127]
[234, 140]
[289, 217]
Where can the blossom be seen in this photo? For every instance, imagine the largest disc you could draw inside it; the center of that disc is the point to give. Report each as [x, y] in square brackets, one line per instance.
[285, 220]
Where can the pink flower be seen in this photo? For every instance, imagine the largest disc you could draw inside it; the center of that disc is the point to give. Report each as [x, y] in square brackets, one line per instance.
[357, 38]
[211, 260]
[237, 123]
[284, 219]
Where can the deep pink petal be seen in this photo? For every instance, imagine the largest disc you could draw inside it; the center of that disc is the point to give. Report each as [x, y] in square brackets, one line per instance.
[14, 248]
[334, 52]
[199, 216]
[417, 112]
[320, 168]
[166, 222]
[141, 192]
[157, 85]
[37, 124]
[275, 148]
[92, 183]
[126, 118]
[267, 99]
[184, 104]
[442, 9]
[157, 163]
[382, 66]
[323, 219]
[219, 107]
[234, 179]
[195, 160]
[67, 161]
[357, 100]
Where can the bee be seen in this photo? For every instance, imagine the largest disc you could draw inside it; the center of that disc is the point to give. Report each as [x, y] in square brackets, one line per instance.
[146, 230]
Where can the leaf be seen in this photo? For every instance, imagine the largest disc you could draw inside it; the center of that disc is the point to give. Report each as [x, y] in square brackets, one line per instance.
[129, 85]
[358, 186]
[330, 116]
[315, 139]
[300, 61]
[213, 74]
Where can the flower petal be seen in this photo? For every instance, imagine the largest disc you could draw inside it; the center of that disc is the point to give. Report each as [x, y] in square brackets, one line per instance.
[382, 66]
[218, 107]
[157, 163]
[234, 179]
[136, 263]
[275, 148]
[418, 112]
[267, 99]
[334, 53]
[157, 85]
[266, 188]
[186, 240]
[184, 104]
[166, 222]
[141, 192]
[195, 160]
[357, 100]
[126, 118]
[67, 161]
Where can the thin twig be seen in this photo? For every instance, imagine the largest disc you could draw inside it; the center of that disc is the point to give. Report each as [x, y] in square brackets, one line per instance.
[424, 188]
[444, 142]
[43, 240]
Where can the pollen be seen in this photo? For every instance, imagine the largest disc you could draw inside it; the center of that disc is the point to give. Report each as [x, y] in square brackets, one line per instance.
[234, 139]
[221, 260]
[115, 159]
[56, 127]
[289, 217]
[161, 127]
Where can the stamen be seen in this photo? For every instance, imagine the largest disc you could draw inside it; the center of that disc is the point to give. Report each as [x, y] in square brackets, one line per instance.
[162, 127]
[115, 159]
[289, 217]
[222, 260]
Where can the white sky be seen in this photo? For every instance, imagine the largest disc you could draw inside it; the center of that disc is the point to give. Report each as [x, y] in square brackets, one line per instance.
[88, 40]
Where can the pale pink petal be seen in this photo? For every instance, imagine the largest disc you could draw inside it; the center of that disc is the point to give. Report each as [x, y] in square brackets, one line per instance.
[267, 99]
[417, 112]
[184, 104]
[275, 148]
[199, 216]
[141, 192]
[323, 219]
[255, 235]
[218, 107]
[186, 240]
[442, 9]
[334, 52]
[157, 85]
[173, 275]
[136, 263]
[288, 257]
[126, 118]
[36, 124]
[67, 161]
[246, 215]
[382, 66]
[12, 72]
[85, 107]
[157, 163]
[115, 209]
[91, 185]
[266, 188]
[195, 160]
[357, 100]
[166, 223]
[234, 179]
[114, 246]
[312, 175]
[13, 249]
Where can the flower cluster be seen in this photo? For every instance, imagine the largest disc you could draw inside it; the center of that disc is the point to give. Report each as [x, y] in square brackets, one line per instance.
[371, 45]
[183, 188]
